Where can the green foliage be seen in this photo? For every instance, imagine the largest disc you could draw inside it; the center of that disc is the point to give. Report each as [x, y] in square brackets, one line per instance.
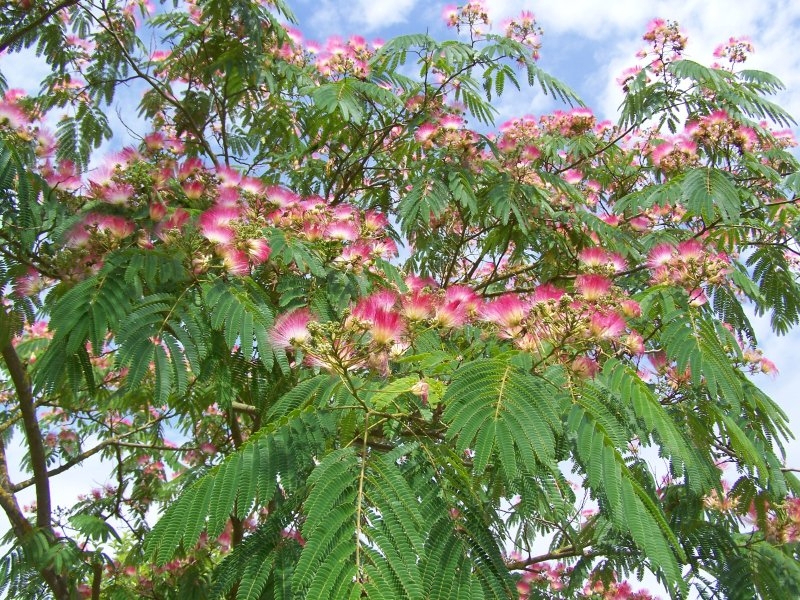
[631, 507]
[710, 194]
[777, 286]
[507, 416]
[536, 365]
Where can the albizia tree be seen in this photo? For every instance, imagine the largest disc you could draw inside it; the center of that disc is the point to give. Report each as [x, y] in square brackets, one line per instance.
[348, 340]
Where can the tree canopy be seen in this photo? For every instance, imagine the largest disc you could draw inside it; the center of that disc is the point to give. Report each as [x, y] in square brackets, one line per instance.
[347, 337]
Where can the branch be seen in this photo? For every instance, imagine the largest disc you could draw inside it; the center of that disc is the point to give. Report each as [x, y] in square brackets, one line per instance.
[33, 435]
[79, 458]
[245, 408]
[19, 32]
[558, 553]
[157, 87]
[19, 377]
[8, 502]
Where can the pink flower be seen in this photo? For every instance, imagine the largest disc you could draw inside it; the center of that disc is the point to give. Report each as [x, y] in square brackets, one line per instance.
[223, 216]
[507, 311]
[193, 189]
[592, 286]
[154, 141]
[634, 342]
[354, 254]
[450, 15]
[158, 210]
[189, 167]
[367, 308]
[425, 131]
[342, 230]
[697, 297]
[660, 255]
[451, 122]
[236, 261]
[227, 197]
[160, 55]
[386, 327]
[768, 367]
[450, 314]
[228, 177]
[177, 219]
[417, 307]
[585, 366]
[547, 291]
[118, 193]
[375, 221]
[115, 226]
[218, 234]
[291, 329]
[416, 283]
[258, 250]
[462, 295]
[690, 250]
[630, 308]
[606, 326]
[597, 257]
[13, 115]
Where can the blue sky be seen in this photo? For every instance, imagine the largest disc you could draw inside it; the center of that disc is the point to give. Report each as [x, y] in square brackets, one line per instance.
[587, 44]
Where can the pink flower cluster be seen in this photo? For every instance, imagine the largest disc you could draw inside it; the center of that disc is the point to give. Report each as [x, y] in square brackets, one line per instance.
[148, 198]
[554, 578]
[736, 50]
[12, 116]
[574, 122]
[525, 30]
[383, 325]
[577, 324]
[689, 265]
[350, 58]
[471, 15]
[667, 43]
[674, 153]
[718, 130]
[784, 523]
[379, 327]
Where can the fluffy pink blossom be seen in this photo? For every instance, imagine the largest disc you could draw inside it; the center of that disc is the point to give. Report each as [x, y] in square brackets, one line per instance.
[219, 234]
[592, 286]
[386, 327]
[342, 230]
[660, 255]
[690, 250]
[291, 329]
[606, 326]
[547, 291]
[258, 250]
[417, 307]
[425, 132]
[507, 311]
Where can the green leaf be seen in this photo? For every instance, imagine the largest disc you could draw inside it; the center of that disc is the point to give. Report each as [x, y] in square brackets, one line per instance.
[499, 410]
[710, 193]
[631, 508]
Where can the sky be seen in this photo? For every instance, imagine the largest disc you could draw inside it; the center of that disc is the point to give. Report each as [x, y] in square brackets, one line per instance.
[587, 44]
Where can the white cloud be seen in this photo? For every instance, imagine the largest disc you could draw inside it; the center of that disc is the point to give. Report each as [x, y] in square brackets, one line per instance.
[374, 15]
